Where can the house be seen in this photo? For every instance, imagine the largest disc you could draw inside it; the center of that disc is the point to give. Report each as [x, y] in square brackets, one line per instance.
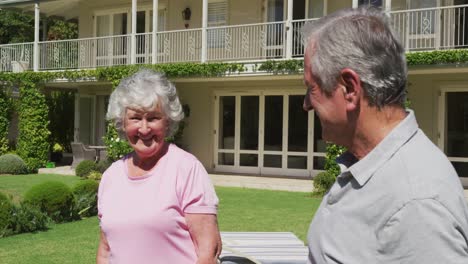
[250, 122]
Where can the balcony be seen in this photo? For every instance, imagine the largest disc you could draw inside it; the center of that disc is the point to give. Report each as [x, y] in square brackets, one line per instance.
[419, 30]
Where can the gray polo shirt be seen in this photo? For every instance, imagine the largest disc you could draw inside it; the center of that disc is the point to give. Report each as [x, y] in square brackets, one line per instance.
[402, 203]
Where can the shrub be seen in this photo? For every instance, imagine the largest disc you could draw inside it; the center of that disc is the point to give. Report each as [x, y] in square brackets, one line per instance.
[86, 197]
[103, 165]
[12, 164]
[27, 218]
[84, 168]
[53, 198]
[94, 175]
[5, 213]
[323, 181]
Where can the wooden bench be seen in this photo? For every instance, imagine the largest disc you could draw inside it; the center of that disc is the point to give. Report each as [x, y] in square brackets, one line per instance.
[262, 247]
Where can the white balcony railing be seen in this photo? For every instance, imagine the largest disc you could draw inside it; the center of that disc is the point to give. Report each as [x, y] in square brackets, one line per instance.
[420, 29]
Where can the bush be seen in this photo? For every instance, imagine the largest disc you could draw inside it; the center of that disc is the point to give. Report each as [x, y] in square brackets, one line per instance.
[323, 181]
[94, 175]
[103, 165]
[27, 218]
[12, 164]
[5, 213]
[84, 168]
[86, 197]
[53, 198]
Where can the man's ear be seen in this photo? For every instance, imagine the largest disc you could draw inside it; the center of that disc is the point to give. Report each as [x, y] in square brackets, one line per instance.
[352, 89]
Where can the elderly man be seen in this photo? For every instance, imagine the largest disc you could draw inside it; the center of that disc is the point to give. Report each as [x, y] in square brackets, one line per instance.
[398, 198]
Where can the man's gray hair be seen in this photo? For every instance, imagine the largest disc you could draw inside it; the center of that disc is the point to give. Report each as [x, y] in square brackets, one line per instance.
[360, 39]
[145, 90]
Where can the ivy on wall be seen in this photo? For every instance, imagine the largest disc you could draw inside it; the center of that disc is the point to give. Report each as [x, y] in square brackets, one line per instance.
[33, 138]
[5, 117]
[33, 142]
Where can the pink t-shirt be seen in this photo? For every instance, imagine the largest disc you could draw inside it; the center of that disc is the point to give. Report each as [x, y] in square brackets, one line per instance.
[143, 218]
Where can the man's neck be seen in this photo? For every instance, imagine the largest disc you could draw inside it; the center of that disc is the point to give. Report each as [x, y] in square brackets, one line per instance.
[372, 127]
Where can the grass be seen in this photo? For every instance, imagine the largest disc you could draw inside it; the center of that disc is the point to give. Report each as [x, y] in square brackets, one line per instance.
[17, 185]
[76, 242]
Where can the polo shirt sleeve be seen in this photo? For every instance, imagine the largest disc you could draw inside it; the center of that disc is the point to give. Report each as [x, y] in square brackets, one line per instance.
[198, 194]
[422, 231]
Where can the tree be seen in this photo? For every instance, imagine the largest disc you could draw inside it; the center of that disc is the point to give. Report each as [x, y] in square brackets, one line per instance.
[16, 27]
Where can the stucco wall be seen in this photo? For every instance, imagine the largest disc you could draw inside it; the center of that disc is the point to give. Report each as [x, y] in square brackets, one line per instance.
[333, 6]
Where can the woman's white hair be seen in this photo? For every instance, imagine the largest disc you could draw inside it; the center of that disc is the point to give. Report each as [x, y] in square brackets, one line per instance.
[145, 90]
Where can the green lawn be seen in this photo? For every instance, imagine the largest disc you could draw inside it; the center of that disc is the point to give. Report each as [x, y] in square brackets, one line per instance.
[17, 185]
[76, 242]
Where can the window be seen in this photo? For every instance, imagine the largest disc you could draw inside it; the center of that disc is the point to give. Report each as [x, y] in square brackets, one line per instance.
[217, 17]
[376, 3]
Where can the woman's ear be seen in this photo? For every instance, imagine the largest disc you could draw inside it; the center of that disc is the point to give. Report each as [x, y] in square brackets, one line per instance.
[352, 89]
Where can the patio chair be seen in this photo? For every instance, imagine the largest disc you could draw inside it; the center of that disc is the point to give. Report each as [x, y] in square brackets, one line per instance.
[80, 153]
[102, 155]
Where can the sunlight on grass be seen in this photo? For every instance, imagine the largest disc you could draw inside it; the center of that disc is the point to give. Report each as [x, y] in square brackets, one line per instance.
[76, 242]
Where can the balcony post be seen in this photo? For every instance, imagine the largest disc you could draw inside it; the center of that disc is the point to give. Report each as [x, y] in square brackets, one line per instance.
[154, 46]
[133, 35]
[36, 37]
[355, 3]
[289, 30]
[204, 26]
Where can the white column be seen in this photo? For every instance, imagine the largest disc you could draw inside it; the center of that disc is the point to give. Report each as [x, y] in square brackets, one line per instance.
[154, 46]
[36, 37]
[133, 35]
[355, 3]
[289, 30]
[76, 131]
[204, 26]
[388, 6]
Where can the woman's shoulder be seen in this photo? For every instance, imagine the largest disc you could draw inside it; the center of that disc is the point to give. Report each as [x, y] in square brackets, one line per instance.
[115, 168]
[181, 155]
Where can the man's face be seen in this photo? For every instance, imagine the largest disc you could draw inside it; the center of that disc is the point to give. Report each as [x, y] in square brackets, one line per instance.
[329, 108]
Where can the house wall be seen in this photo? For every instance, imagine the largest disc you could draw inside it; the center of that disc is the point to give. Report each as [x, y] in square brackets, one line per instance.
[333, 6]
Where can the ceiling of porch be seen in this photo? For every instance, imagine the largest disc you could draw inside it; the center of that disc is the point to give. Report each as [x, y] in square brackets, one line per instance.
[63, 8]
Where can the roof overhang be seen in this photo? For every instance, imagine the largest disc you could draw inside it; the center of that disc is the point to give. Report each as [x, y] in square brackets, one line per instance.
[63, 8]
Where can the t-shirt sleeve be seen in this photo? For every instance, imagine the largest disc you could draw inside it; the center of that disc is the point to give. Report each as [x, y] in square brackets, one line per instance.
[422, 231]
[198, 195]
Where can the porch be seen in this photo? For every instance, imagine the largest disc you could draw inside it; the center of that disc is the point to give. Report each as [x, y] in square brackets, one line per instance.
[419, 29]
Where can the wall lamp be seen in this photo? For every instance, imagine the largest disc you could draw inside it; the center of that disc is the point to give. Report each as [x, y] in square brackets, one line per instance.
[186, 14]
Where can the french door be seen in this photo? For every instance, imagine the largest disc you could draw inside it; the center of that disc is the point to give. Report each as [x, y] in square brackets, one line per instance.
[266, 133]
[453, 128]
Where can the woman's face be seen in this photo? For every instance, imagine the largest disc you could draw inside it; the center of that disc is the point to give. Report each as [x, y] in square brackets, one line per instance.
[145, 131]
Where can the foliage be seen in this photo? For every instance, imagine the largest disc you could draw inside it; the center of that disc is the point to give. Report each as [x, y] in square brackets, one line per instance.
[333, 151]
[61, 116]
[60, 29]
[84, 168]
[26, 218]
[12, 164]
[458, 56]
[86, 197]
[116, 148]
[16, 27]
[323, 181]
[5, 213]
[283, 66]
[53, 198]
[95, 176]
[33, 139]
[6, 106]
[103, 165]
[57, 148]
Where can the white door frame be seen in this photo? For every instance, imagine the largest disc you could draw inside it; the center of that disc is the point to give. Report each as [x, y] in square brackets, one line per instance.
[442, 118]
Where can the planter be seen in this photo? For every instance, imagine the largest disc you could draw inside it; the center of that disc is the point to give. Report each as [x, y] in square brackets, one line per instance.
[50, 164]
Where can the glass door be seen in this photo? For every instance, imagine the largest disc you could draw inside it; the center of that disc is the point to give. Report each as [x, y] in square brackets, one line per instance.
[454, 136]
[112, 42]
[266, 134]
[275, 16]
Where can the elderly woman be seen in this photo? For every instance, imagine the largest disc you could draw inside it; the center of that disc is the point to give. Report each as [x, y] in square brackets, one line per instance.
[156, 204]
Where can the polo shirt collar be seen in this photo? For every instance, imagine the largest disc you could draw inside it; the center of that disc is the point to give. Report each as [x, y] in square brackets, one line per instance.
[364, 169]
